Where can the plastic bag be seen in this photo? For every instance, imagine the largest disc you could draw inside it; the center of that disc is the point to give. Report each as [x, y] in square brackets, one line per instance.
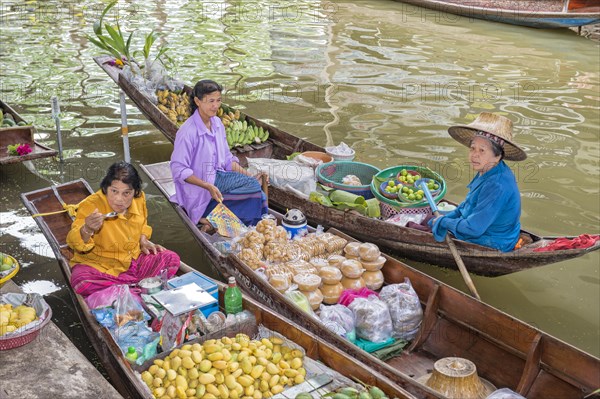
[172, 330]
[301, 301]
[285, 173]
[505, 393]
[136, 334]
[373, 321]
[127, 308]
[405, 309]
[103, 298]
[337, 315]
[402, 219]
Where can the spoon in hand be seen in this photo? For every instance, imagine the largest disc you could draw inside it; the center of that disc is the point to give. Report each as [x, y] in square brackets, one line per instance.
[110, 215]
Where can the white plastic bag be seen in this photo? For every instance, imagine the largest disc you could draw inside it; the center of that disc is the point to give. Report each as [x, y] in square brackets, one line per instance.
[505, 393]
[405, 309]
[285, 173]
[373, 321]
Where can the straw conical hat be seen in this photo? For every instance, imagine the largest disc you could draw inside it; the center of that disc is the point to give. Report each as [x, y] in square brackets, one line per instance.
[496, 125]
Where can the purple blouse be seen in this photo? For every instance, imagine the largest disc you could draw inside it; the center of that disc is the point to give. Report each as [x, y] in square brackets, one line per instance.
[198, 152]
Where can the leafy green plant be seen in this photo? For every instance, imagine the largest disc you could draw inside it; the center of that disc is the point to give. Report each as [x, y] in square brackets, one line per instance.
[114, 43]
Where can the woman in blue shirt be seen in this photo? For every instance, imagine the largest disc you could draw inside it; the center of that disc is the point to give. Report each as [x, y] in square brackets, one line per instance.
[490, 213]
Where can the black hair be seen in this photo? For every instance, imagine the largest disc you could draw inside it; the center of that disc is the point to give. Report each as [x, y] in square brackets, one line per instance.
[202, 88]
[124, 172]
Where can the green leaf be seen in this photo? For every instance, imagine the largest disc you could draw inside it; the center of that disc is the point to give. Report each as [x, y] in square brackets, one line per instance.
[118, 42]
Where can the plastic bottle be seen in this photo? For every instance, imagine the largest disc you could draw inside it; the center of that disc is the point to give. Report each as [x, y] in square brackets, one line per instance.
[131, 354]
[233, 298]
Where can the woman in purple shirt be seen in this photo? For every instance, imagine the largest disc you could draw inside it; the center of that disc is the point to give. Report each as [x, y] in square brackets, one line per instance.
[204, 170]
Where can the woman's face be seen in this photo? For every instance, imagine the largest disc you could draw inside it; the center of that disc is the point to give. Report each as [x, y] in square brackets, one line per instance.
[119, 196]
[481, 155]
[209, 105]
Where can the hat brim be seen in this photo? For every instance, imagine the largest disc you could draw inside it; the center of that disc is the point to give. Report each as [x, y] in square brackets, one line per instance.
[464, 135]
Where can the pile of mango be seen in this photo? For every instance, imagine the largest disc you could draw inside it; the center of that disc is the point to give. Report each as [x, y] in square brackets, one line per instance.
[175, 105]
[14, 318]
[240, 132]
[227, 368]
[8, 120]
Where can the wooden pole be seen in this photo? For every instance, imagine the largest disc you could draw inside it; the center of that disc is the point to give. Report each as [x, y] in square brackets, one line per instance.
[459, 262]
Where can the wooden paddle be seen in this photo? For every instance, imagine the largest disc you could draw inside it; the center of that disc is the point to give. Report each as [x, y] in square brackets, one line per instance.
[461, 266]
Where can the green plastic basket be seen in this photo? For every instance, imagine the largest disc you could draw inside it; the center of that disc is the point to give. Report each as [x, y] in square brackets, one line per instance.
[331, 174]
[392, 172]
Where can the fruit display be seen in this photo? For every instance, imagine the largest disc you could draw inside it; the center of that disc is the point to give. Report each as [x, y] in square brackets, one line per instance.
[8, 120]
[227, 368]
[175, 105]
[7, 262]
[13, 318]
[408, 177]
[392, 189]
[240, 132]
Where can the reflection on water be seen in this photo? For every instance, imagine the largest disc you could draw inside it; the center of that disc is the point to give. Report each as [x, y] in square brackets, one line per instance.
[379, 75]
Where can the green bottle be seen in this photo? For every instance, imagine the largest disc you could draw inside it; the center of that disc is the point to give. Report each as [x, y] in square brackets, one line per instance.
[131, 354]
[233, 298]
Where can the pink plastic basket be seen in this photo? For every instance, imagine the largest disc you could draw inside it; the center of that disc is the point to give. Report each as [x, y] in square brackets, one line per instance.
[387, 211]
[25, 337]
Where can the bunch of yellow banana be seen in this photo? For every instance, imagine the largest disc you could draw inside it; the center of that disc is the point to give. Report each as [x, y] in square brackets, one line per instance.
[11, 319]
[175, 106]
[228, 116]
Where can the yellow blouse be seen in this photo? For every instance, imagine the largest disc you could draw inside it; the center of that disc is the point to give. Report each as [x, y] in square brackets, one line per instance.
[112, 248]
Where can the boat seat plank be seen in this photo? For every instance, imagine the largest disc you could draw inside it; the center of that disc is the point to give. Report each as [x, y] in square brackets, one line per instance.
[429, 319]
[532, 366]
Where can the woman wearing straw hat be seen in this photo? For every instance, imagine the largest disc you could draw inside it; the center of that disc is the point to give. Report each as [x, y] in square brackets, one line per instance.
[490, 213]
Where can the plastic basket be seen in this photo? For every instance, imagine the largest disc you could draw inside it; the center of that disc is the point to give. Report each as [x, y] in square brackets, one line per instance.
[12, 340]
[388, 211]
[12, 272]
[391, 173]
[332, 173]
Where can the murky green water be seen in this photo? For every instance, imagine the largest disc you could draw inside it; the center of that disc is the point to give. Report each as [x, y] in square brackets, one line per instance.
[382, 76]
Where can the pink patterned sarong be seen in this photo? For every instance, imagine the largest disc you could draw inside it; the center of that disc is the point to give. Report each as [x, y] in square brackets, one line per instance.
[87, 280]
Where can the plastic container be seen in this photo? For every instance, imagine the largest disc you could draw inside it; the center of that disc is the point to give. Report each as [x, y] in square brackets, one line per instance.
[445, 208]
[131, 354]
[319, 156]
[294, 222]
[233, 298]
[203, 282]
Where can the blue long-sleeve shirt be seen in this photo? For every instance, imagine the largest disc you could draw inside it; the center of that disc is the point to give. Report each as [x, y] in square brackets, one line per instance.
[490, 213]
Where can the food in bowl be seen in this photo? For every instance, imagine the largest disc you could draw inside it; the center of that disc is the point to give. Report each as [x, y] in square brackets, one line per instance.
[433, 186]
[317, 155]
[408, 177]
[389, 189]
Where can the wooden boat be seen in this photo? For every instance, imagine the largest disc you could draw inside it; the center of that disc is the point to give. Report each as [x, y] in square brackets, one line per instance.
[123, 374]
[20, 134]
[536, 14]
[506, 351]
[402, 241]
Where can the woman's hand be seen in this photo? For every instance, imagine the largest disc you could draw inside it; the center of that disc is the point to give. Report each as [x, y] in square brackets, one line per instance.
[93, 222]
[148, 247]
[262, 176]
[215, 193]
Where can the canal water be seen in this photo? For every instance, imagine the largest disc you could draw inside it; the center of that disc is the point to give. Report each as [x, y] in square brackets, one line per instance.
[384, 77]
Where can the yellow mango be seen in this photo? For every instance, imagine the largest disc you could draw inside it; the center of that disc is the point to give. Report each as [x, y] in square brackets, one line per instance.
[188, 363]
[274, 380]
[193, 374]
[224, 391]
[161, 373]
[276, 340]
[171, 374]
[257, 371]
[276, 357]
[220, 364]
[219, 378]
[246, 366]
[245, 380]
[175, 362]
[205, 365]
[185, 353]
[186, 347]
[206, 378]
[212, 389]
[298, 379]
[249, 390]
[196, 356]
[277, 389]
[212, 348]
[147, 378]
[180, 393]
[159, 392]
[215, 356]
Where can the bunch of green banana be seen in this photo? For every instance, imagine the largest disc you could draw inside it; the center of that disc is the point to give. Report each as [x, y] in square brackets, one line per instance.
[240, 133]
[175, 106]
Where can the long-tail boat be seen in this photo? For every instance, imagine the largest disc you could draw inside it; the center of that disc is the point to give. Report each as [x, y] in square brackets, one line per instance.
[126, 376]
[506, 351]
[403, 241]
[18, 132]
[536, 14]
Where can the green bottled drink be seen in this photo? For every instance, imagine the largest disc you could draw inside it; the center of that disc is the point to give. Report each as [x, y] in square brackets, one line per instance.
[131, 354]
[233, 298]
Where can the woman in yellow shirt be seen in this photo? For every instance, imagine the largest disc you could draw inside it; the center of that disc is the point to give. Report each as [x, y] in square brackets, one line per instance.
[115, 250]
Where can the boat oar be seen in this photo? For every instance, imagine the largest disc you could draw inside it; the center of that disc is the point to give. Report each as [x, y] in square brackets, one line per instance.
[459, 262]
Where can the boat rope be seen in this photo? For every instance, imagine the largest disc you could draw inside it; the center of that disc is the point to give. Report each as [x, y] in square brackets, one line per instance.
[71, 209]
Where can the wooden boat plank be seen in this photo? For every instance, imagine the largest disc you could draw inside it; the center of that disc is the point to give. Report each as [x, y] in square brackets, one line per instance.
[402, 241]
